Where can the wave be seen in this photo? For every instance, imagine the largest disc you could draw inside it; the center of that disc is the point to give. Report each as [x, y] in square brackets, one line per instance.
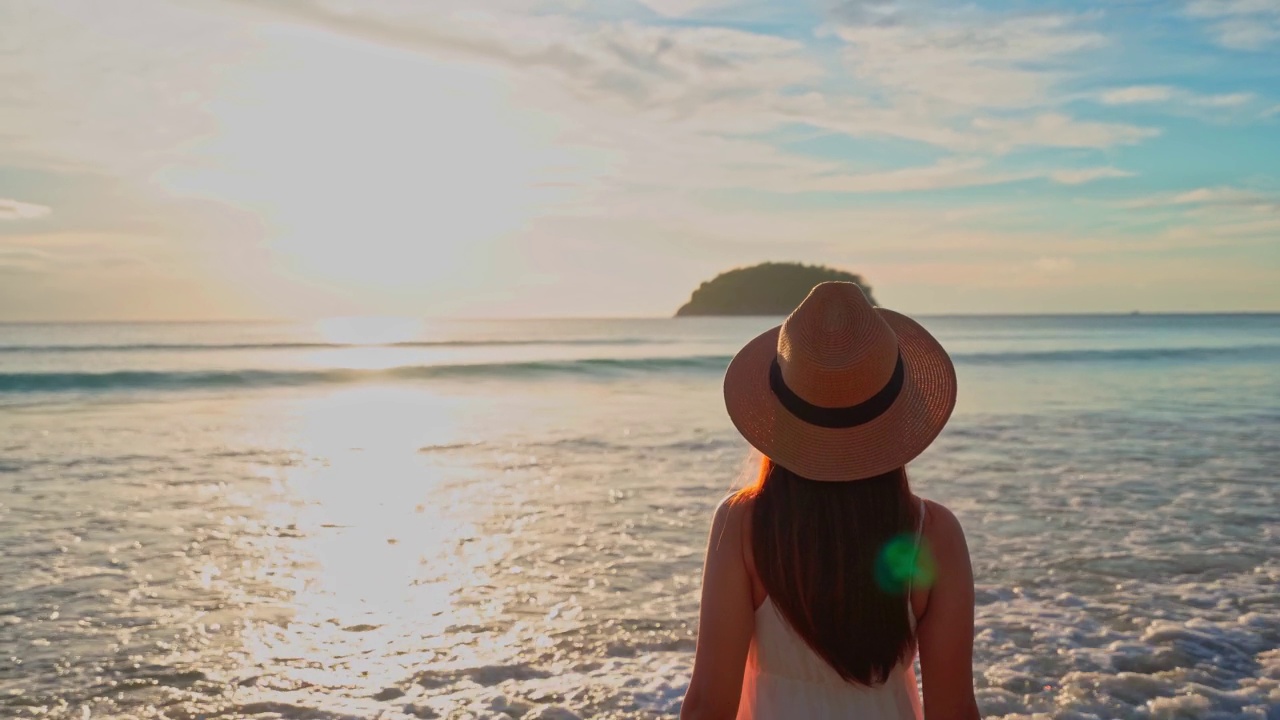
[227, 347]
[1238, 352]
[55, 382]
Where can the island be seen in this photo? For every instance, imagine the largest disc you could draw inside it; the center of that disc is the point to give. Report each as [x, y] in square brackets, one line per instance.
[764, 289]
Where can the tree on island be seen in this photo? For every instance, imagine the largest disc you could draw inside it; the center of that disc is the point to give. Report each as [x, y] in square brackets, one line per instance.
[764, 289]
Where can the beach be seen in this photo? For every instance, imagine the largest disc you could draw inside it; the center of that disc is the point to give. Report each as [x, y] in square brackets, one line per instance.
[498, 519]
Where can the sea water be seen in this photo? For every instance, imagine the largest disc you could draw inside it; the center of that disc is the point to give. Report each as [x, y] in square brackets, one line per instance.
[507, 519]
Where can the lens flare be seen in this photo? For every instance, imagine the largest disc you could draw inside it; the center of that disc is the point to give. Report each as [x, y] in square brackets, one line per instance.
[901, 564]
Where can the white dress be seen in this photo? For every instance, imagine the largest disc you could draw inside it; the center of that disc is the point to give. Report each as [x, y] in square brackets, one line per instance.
[786, 680]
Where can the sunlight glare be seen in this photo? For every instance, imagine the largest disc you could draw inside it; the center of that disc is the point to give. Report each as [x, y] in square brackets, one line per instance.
[369, 330]
[392, 176]
[389, 536]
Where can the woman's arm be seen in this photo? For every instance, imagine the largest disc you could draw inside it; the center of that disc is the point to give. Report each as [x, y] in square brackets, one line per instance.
[725, 623]
[946, 630]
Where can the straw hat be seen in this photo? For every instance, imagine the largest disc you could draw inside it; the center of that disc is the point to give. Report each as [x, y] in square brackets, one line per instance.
[841, 390]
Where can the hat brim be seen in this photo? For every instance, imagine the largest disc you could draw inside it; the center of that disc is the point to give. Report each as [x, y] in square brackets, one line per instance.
[888, 442]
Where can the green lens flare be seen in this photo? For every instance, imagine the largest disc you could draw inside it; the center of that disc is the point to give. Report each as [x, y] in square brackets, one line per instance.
[900, 565]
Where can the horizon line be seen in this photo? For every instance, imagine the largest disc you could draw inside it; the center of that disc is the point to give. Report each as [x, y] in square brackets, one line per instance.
[597, 318]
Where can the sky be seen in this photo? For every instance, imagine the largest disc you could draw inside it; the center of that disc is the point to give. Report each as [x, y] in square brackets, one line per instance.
[224, 159]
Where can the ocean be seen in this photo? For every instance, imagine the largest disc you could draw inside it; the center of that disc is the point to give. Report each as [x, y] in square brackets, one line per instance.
[396, 519]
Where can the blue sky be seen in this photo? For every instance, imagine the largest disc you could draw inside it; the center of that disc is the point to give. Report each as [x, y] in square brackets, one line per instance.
[220, 159]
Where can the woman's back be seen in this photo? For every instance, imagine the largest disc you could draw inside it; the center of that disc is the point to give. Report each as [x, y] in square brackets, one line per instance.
[784, 677]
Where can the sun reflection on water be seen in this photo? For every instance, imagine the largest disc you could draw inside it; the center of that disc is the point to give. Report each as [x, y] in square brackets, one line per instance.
[381, 541]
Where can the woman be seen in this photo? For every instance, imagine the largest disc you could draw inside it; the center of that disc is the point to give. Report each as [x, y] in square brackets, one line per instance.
[826, 576]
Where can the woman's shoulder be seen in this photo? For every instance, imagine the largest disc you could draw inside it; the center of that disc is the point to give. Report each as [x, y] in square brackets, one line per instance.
[938, 515]
[733, 514]
[941, 526]
[732, 525]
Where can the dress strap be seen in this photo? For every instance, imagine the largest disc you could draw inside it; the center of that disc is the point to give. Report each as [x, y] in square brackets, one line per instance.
[915, 554]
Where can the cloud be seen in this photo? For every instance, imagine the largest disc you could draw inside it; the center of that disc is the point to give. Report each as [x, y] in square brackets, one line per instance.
[684, 8]
[943, 174]
[649, 66]
[1225, 101]
[659, 71]
[1137, 94]
[1210, 195]
[143, 72]
[1239, 24]
[967, 80]
[1246, 35]
[967, 59]
[688, 108]
[1150, 94]
[933, 68]
[1228, 197]
[83, 252]
[1231, 8]
[1054, 265]
[1084, 175]
[1058, 130]
[682, 70]
[635, 108]
[15, 210]
[1233, 205]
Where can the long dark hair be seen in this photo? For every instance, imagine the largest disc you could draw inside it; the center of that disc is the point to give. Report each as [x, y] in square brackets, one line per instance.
[819, 550]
